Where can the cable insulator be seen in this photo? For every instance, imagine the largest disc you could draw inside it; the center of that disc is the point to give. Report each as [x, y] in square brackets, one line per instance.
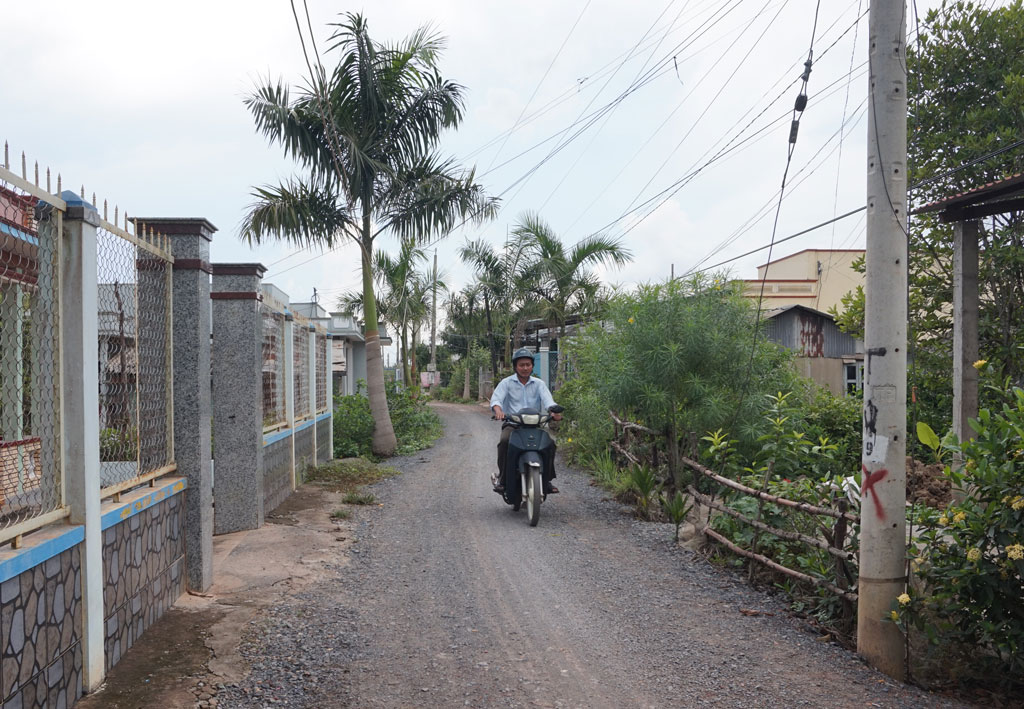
[807, 70]
[801, 103]
[793, 128]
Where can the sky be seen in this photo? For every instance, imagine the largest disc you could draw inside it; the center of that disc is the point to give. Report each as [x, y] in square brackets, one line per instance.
[142, 104]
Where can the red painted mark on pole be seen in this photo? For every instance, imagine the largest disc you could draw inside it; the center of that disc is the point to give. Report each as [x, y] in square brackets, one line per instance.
[869, 486]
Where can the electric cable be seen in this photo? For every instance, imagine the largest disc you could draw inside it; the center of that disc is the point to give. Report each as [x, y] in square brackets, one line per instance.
[539, 83]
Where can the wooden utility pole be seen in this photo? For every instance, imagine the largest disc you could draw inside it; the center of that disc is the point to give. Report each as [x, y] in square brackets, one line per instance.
[883, 489]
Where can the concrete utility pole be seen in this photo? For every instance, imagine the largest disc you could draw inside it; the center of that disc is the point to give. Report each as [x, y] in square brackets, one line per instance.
[432, 367]
[883, 489]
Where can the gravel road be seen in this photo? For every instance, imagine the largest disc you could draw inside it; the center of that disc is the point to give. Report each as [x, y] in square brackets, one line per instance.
[451, 599]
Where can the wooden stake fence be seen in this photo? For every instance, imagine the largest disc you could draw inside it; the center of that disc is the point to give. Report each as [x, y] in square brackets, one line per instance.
[833, 544]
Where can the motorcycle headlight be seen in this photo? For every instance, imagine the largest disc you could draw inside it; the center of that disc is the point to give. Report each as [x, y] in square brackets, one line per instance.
[531, 419]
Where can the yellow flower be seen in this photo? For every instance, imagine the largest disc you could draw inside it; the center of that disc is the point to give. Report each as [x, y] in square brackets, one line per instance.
[973, 554]
[631, 321]
[903, 598]
[943, 520]
[959, 517]
[569, 440]
[895, 616]
[1018, 503]
[980, 363]
[1015, 551]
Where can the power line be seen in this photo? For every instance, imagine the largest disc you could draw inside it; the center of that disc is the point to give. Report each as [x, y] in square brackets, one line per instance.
[539, 83]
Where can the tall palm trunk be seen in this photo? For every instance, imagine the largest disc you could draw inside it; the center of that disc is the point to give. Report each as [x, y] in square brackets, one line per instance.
[406, 374]
[414, 372]
[384, 440]
[490, 338]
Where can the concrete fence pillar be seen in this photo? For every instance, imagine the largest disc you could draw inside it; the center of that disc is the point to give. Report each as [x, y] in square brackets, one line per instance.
[289, 388]
[965, 327]
[328, 385]
[311, 388]
[237, 397]
[80, 404]
[190, 244]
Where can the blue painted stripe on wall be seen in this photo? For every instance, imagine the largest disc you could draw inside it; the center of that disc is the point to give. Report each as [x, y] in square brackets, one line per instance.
[125, 510]
[280, 435]
[275, 437]
[29, 557]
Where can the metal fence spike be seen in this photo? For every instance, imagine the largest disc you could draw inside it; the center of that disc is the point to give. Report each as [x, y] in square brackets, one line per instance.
[105, 210]
[115, 215]
[24, 169]
[94, 199]
[82, 193]
[48, 181]
[58, 183]
[7, 156]
[36, 175]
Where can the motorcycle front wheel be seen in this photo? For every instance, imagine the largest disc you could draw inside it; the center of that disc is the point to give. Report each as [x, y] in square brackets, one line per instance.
[534, 495]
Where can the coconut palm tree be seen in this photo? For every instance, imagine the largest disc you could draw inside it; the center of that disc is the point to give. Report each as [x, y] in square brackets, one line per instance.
[562, 278]
[365, 135]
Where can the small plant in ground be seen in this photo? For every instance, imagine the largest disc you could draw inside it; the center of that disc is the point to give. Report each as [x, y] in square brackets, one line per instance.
[676, 510]
[359, 498]
[340, 514]
[348, 475]
[604, 469]
[644, 483]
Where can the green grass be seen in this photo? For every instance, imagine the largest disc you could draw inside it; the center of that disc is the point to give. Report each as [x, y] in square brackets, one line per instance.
[348, 475]
[341, 514]
[359, 498]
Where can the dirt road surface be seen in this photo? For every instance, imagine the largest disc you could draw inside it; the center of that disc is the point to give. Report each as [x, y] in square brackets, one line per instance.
[441, 596]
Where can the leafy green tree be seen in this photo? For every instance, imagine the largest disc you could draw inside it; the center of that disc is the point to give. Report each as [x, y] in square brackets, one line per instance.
[967, 99]
[365, 133]
[681, 358]
[966, 84]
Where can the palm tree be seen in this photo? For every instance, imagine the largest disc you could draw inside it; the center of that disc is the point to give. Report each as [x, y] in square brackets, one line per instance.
[562, 279]
[365, 134]
[499, 282]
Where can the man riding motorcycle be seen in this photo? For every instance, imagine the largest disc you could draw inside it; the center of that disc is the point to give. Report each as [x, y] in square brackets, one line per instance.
[513, 394]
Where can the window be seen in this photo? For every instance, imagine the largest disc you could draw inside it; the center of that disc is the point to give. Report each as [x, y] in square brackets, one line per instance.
[853, 377]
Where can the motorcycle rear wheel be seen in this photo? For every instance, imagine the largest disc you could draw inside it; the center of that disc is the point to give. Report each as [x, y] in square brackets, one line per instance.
[534, 495]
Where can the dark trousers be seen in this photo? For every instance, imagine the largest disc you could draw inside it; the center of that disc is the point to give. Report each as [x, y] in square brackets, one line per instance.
[506, 432]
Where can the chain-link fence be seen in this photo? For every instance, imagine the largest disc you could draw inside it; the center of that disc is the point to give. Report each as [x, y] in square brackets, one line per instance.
[30, 385]
[322, 374]
[274, 412]
[301, 360]
[135, 365]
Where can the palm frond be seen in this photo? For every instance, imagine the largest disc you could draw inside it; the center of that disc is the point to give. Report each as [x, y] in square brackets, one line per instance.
[299, 213]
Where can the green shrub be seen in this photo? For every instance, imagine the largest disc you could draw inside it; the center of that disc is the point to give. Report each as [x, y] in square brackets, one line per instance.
[359, 498]
[353, 426]
[968, 560]
[416, 426]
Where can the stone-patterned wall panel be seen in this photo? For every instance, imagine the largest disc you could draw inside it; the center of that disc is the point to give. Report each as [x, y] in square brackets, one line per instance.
[303, 451]
[277, 473]
[40, 617]
[143, 572]
[323, 441]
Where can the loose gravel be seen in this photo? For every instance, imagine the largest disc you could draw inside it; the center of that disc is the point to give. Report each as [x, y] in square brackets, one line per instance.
[451, 599]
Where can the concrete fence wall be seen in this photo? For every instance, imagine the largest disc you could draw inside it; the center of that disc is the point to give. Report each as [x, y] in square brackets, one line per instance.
[86, 567]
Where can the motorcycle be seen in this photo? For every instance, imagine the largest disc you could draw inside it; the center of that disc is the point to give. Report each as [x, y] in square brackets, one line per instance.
[528, 466]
